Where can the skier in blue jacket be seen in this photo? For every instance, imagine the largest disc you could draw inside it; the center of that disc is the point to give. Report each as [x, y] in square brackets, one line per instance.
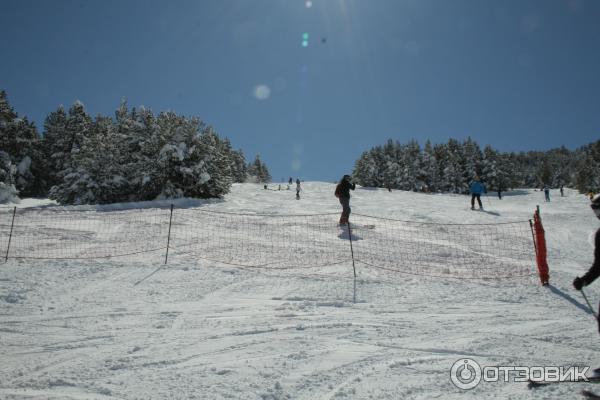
[476, 188]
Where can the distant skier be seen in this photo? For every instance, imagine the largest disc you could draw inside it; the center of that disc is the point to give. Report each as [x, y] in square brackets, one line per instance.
[547, 193]
[298, 189]
[476, 188]
[500, 193]
[342, 192]
[562, 191]
[290, 181]
[594, 270]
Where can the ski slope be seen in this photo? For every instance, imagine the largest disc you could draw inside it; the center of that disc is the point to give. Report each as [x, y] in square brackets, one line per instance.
[128, 328]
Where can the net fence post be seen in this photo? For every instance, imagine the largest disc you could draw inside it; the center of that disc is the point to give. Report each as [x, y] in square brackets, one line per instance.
[541, 249]
[352, 254]
[533, 236]
[169, 234]
[12, 224]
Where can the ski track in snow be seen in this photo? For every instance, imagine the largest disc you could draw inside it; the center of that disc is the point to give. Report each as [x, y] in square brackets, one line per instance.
[127, 329]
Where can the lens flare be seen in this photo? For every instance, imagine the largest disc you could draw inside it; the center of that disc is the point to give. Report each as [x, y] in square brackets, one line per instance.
[262, 92]
[305, 39]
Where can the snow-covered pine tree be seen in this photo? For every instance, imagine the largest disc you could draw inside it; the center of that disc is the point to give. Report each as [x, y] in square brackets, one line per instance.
[239, 168]
[503, 173]
[390, 164]
[489, 168]
[366, 170]
[429, 169]
[512, 173]
[21, 141]
[471, 160]
[393, 173]
[55, 147]
[19, 138]
[562, 163]
[143, 172]
[237, 161]
[449, 167]
[8, 138]
[170, 175]
[8, 192]
[217, 164]
[76, 183]
[440, 152]
[135, 132]
[452, 175]
[7, 113]
[544, 174]
[531, 163]
[258, 171]
[412, 163]
[253, 170]
[189, 160]
[102, 158]
[265, 174]
[587, 176]
[152, 171]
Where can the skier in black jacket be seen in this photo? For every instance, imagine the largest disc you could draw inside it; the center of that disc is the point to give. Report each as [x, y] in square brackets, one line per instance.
[345, 186]
[594, 270]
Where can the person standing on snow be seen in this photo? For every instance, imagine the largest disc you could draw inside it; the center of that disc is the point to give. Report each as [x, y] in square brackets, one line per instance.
[547, 193]
[298, 188]
[476, 188]
[594, 270]
[342, 191]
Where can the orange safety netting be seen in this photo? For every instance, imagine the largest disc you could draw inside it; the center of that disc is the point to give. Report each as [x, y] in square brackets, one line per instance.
[540, 246]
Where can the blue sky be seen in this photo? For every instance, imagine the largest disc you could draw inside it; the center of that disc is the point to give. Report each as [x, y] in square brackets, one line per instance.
[515, 74]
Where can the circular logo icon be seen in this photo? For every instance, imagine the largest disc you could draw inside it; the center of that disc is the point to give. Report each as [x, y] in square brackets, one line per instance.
[465, 374]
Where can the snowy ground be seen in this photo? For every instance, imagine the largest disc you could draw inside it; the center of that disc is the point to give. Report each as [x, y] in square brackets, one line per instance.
[125, 329]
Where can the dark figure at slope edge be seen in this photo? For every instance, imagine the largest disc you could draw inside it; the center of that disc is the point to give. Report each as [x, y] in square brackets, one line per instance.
[594, 270]
[343, 190]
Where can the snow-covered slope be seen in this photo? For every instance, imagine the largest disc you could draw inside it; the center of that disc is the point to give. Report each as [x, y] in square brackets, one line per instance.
[133, 329]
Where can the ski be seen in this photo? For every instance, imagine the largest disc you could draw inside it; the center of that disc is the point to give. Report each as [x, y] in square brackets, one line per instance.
[536, 384]
[590, 395]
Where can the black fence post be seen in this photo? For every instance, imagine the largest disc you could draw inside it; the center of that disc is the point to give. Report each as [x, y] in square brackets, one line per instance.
[352, 253]
[533, 235]
[169, 235]
[351, 249]
[12, 224]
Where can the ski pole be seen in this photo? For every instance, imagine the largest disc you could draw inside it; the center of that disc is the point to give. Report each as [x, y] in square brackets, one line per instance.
[588, 303]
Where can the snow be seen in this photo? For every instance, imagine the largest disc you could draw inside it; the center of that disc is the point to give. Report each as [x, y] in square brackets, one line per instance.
[8, 194]
[132, 328]
[24, 165]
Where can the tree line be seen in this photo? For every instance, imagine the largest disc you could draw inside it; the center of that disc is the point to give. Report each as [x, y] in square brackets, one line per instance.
[134, 156]
[449, 167]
